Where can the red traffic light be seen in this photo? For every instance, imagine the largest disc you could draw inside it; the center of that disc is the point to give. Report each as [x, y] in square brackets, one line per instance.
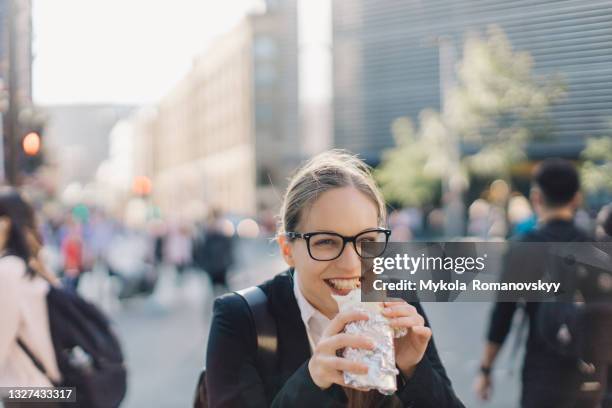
[142, 185]
[31, 144]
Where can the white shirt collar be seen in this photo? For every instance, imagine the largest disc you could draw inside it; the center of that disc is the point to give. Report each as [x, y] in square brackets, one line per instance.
[314, 321]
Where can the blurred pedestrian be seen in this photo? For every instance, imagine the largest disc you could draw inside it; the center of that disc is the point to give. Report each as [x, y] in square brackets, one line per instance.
[604, 234]
[72, 252]
[400, 223]
[478, 218]
[178, 247]
[216, 251]
[603, 230]
[23, 308]
[520, 215]
[102, 230]
[549, 379]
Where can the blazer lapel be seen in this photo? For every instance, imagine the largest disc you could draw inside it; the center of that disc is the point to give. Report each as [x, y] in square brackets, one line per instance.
[293, 346]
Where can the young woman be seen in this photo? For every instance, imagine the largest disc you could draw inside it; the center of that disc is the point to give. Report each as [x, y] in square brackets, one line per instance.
[23, 306]
[330, 198]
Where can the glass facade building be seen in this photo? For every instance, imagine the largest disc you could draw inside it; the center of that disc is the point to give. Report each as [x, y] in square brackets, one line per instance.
[386, 62]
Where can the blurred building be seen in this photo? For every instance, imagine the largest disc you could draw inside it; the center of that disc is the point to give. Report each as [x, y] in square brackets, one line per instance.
[77, 140]
[386, 62]
[228, 130]
[315, 79]
[16, 109]
[22, 26]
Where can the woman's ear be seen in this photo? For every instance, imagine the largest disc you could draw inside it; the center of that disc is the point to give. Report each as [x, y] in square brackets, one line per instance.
[286, 249]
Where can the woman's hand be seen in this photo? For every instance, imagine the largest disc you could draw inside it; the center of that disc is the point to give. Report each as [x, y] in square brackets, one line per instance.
[409, 349]
[325, 366]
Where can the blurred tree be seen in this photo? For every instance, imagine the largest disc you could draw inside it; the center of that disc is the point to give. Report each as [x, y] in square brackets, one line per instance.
[497, 106]
[596, 170]
[410, 174]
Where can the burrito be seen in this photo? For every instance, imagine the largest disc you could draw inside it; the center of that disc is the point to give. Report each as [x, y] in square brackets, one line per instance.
[382, 372]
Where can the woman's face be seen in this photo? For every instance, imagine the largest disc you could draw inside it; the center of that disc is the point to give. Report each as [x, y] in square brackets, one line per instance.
[346, 211]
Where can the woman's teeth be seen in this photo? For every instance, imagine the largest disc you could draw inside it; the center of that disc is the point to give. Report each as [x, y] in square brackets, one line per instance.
[352, 283]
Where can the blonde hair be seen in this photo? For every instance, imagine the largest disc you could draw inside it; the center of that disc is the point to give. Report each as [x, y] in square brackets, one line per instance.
[326, 171]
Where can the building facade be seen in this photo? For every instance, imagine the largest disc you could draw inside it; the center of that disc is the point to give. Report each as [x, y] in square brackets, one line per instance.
[76, 139]
[386, 62]
[226, 134]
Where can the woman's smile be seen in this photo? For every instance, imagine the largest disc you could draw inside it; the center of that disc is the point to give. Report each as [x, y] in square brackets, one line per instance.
[343, 286]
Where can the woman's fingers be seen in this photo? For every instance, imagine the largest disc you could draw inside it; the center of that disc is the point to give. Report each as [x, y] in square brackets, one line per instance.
[326, 370]
[407, 321]
[397, 309]
[337, 324]
[422, 335]
[325, 366]
[394, 301]
[331, 344]
[342, 364]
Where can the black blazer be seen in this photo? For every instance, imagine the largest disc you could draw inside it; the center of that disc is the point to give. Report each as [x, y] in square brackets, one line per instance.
[232, 379]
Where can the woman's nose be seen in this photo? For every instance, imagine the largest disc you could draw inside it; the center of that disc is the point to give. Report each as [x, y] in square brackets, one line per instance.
[349, 259]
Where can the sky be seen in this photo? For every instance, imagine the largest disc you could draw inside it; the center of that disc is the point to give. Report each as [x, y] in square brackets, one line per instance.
[121, 51]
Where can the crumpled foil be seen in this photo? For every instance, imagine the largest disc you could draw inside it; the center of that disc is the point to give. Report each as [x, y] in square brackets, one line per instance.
[382, 372]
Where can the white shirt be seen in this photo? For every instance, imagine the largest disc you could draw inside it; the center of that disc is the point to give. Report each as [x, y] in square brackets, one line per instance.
[314, 321]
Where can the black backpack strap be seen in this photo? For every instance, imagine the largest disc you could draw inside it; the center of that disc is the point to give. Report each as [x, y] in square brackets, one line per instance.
[267, 340]
[265, 329]
[35, 360]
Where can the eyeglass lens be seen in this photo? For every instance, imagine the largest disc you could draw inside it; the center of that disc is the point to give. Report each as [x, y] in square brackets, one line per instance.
[324, 247]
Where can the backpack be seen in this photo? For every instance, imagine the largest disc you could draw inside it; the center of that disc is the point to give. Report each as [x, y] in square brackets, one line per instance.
[265, 332]
[87, 350]
[560, 326]
[576, 329]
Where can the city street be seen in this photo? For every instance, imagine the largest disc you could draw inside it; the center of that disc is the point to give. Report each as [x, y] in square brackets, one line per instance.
[149, 167]
[164, 336]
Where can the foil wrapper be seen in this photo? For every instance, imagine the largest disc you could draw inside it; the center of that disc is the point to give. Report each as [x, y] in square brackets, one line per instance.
[382, 372]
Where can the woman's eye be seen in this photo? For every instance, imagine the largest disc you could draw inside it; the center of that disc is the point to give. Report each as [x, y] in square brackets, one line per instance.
[325, 242]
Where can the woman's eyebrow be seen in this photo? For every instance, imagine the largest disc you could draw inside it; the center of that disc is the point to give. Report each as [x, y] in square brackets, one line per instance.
[334, 232]
[324, 230]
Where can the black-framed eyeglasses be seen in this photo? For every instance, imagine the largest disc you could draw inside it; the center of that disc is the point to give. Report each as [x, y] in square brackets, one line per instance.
[327, 246]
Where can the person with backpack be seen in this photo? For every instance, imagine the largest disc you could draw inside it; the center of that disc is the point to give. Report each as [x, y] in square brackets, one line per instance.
[50, 336]
[604, 234]
[23, 306]
[332, 205]
[550, 378]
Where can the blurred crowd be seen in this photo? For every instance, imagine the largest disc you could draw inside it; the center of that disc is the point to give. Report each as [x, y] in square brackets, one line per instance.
[84, 239]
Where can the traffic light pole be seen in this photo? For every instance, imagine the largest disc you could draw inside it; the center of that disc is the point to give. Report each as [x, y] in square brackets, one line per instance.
[11, 121]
